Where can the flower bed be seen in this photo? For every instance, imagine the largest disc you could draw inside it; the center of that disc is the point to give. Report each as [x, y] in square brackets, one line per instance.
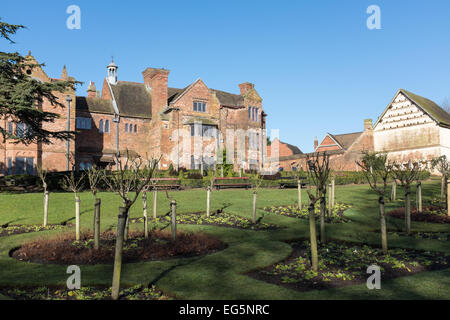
[293, 211]
[86, 293]
[64, 250]
[342, 264]
[221, 219]
[19, 229]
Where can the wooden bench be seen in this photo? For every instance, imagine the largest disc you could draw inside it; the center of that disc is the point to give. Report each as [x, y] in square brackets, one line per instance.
[232, 182]
[173, 183]
[291, 182]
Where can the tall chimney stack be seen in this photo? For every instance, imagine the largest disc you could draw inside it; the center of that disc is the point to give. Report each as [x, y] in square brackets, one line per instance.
[157, 80]
[368, 124]
[246, 87]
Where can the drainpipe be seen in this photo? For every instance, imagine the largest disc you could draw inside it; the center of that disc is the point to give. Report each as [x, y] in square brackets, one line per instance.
[68, 99]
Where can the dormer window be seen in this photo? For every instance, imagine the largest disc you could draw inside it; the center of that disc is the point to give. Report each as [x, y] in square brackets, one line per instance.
[199, 106]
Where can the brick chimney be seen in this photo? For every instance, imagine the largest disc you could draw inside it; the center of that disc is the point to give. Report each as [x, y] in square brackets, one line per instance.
[157, 79]
[316, 143]
[368, 124]
[92, 91]
[246, 87]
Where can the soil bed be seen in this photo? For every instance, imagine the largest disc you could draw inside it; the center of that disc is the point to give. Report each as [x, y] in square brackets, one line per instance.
[431, 214]
[219, 219]
[85, 293]
[343, 264]
[19, 229]
[293, 211]
[64, 250]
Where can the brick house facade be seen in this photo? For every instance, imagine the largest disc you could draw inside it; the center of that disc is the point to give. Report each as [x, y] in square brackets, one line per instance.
[151, 120]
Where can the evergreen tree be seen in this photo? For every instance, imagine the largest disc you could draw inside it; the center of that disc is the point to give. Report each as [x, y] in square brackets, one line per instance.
[21, 96]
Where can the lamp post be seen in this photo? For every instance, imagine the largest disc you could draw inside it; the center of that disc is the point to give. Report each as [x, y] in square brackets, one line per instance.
[68, 99]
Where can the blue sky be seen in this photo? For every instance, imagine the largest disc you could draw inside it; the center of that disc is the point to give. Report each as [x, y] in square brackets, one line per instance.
[317, 66]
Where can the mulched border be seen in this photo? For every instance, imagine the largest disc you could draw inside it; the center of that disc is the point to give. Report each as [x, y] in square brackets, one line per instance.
[309, 285]
[289, 214]
[64, 250]
[399, 213]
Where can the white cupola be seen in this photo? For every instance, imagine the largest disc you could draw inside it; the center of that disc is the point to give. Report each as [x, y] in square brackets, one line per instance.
[112, 73]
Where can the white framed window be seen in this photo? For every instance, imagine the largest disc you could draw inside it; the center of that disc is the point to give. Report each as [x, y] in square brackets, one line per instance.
[199, 106]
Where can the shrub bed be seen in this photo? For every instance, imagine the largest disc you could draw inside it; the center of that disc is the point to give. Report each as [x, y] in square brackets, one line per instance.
[343, 264]
[85, 293]
[294, 212]
[18, 229]
[220, 219]
[64, 250]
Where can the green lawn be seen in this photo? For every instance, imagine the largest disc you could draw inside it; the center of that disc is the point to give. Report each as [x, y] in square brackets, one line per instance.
[222, 275]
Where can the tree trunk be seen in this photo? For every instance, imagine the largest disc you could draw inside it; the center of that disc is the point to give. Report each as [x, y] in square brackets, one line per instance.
[144, 205]
[127, 228]
[443, 187]
[333, 184]
[330, 200]
[448, 198]
[299, 187]
[322, 218]
[255, 198]
[173, 208]
[155, 203]
[77, 217]
[208, 201]
[98, 203]
[394, 191]
[123, 214]
[419, 197]
[384, 244]
[46, 194]
[408, 209]
[313, 238]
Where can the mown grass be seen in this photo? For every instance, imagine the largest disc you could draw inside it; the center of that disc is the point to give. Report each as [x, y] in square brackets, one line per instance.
[222, 275]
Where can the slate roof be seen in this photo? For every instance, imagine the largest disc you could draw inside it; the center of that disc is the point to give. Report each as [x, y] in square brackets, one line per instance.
[294, 149]
[94, 105]
[229, 99]
[430, 107]
[346, 140]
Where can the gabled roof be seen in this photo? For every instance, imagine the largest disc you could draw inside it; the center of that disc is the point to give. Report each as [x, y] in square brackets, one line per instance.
[229, 99]
[94, 105]
[345, 140]
[294, 149]
[133, 99]
[429, 107]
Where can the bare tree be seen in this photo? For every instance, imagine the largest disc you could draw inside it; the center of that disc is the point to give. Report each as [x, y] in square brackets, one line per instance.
[376, 169]
[43, 176]
[94, 175]
[132, 176]
[442, 165]
[319, 172]
[406, 174]
[256, 187]
[446, 105]
[75, 184]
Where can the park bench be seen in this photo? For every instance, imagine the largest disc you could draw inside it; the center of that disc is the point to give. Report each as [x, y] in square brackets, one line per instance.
[165, 183]
[232, 182]
[291, 182]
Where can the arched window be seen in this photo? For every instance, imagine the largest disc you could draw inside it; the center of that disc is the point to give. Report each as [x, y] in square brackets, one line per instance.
[126, 127]
[135, 128]
[100, 126]
[107, 126]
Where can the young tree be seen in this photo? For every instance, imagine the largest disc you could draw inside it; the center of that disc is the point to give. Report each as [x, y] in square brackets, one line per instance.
[43, 176]
[442, 165]
[376, 169]
[319, 173]
[21, 96]
[258, 182]
[75, 184]
[132, 176]
[406, 174]
[94, 175]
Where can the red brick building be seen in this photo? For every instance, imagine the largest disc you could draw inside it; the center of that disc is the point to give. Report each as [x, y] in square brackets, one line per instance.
[185, 126]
